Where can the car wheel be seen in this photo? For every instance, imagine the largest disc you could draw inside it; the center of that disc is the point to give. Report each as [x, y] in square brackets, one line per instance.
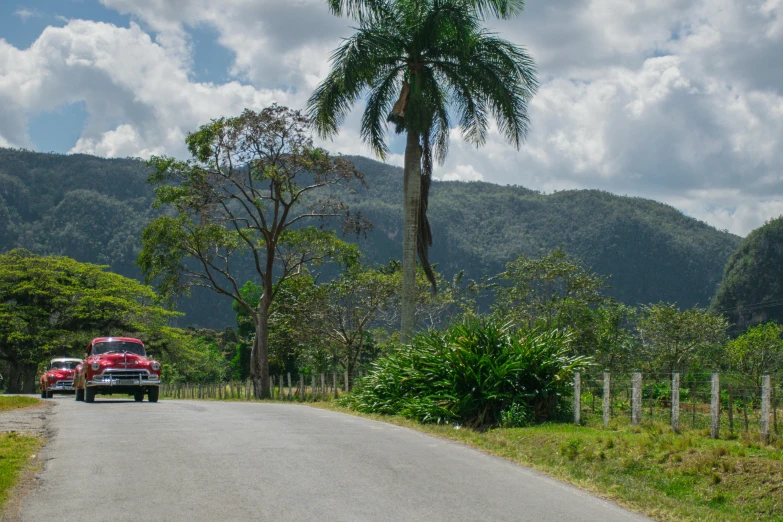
[153, 394]
[43, 393]
[80, 395]
[89, 395]
[50, 395]
[138, 396]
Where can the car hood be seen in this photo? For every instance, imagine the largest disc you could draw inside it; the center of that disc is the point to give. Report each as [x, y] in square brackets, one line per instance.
[60, 374]
[120, 360]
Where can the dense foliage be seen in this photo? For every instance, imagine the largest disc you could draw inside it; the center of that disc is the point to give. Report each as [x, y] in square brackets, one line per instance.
[751, 291]
[50, 306]
[475, 373]
[650, 252]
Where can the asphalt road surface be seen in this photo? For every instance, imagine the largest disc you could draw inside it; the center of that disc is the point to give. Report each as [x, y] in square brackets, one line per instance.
[216, 461]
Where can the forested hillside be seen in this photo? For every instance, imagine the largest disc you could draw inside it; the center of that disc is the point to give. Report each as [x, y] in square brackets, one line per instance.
[94, 209]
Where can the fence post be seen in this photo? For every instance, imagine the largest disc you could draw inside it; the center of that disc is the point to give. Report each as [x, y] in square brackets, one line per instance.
[323, 386]
[345, 384]
[636, 398]
[313, 386]
[676, 402]
[607, 398]
[715, 406]
[289, 386]
[334, 383]
[577, 397]
[301, 386]
[281, 385]
[765, 396]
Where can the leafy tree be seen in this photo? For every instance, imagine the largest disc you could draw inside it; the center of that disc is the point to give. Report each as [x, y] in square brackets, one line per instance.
[418, 59]
[751, 291]
[343, 312]
[616, 346]
[554, 291]
[673, 339]
[254, 184]
[758, 350]
[48, 305]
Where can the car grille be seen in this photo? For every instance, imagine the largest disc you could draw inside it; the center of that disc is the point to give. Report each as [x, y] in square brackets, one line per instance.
[126, 374]
[64, 384]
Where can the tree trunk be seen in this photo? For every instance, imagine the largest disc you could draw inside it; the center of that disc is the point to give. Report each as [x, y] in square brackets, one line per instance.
[28, 375]
[14, 383]
[410, 223]
[259, 356]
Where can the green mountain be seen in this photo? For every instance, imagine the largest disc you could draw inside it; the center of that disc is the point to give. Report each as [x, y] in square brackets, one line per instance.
[94, 209]
[751, 291]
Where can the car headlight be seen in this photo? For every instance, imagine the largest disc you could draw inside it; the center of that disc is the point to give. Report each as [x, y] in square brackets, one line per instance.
[52, 377]
[155, 365]
[95, 366]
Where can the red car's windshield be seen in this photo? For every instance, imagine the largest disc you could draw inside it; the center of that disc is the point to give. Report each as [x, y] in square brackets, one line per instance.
[64, 365]
[117, 347]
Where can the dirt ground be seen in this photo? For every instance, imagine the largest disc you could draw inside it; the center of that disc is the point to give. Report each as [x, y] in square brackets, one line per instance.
[31, 420]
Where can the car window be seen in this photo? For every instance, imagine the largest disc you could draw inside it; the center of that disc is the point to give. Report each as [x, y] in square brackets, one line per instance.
[64, 365]
[117, 347]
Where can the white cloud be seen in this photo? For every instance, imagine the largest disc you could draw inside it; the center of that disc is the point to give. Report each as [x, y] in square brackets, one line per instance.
[138, 96]
[25, 14]
[676, 100]
[463, 173]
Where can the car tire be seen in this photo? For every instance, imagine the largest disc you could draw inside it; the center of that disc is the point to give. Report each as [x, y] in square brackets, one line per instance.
[43, 393]
[138, 396]
[152, 395]
[89, 395]
[50, 395]
[80, 395]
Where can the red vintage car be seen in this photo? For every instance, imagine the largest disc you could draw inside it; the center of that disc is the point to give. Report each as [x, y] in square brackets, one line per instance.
[117, 365]
[59, 377]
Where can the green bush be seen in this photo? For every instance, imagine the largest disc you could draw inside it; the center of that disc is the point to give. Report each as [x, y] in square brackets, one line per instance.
[471, 373]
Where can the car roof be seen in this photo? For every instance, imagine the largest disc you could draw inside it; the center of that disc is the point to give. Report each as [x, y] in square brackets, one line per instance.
[109, 339]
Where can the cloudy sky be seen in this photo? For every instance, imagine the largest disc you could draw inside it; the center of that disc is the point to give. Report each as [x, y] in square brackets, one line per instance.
[675, 100]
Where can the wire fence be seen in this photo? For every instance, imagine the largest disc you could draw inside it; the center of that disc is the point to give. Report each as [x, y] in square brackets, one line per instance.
[720, 405]
[286, 387]
[717, 405]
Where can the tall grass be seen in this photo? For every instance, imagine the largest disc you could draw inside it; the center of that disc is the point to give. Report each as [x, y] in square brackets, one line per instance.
[476, 373]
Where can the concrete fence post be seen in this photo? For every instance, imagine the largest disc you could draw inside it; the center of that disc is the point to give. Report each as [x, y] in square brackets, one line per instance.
[607, 398]
[313, 386]
[323, 386]
[334, 383]
[676, 402]
[301, 386]
[765, 403]
[715, 406]
[289, 386]
[636, 398]
[282, 388]
[577, 397]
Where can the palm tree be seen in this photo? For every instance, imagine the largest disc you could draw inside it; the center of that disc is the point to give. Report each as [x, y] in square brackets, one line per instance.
[417, 60]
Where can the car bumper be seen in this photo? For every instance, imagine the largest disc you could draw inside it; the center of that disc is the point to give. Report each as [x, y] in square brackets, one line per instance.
[61, 386]
[112, 382]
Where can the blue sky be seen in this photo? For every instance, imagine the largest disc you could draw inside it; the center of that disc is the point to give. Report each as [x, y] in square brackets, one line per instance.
[675, 100]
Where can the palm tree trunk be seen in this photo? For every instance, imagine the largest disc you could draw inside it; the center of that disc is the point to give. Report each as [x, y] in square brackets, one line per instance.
[410, 223]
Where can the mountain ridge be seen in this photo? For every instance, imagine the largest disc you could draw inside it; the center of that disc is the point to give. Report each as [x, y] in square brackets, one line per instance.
[93, 209]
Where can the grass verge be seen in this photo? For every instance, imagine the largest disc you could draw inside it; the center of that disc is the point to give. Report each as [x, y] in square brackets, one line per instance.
[14, 402]
[16, 453]
[648, 469]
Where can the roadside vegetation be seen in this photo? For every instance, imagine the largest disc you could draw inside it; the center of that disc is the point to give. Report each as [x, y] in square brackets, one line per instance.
[647, 468]
[17, 402]
[16, 453]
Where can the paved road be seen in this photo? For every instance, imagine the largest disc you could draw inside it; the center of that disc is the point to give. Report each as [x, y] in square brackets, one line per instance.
[211, 461]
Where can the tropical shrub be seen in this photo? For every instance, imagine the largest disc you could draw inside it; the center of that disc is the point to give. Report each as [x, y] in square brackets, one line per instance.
[470, 374]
